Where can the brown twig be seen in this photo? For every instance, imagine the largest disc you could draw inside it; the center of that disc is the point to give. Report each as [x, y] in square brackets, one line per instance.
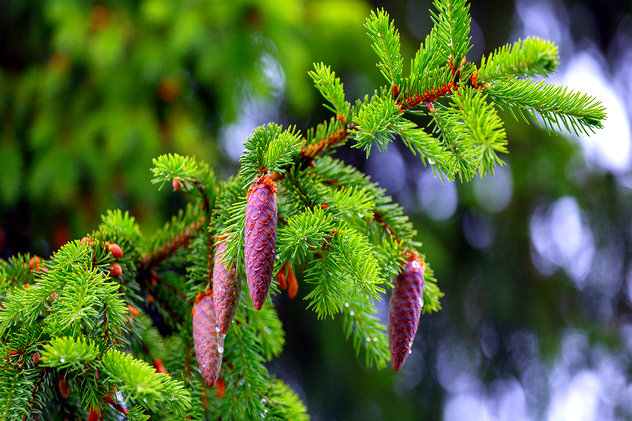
[187, 362]
[427, 97]
[159, 280]
[105, 322]
[209, 263]
[170, 247]
[37, 384]
[200, 186]
[384, 224]
[115, 404]
[327, 143]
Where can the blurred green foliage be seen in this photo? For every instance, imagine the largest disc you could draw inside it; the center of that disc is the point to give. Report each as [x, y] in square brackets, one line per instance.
[91, 92]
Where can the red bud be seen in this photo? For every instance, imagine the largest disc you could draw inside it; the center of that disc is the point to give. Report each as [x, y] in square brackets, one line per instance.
[116, 251]
[63, 386]
[116, 270]
[292, 283]
[94, 415]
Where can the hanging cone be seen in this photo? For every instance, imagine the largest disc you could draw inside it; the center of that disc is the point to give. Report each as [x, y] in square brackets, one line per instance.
[226, 288]
[405, 309]
[207, 341]
[260, 241]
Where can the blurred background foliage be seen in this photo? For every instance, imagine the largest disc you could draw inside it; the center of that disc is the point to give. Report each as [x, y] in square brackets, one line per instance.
[536, 262]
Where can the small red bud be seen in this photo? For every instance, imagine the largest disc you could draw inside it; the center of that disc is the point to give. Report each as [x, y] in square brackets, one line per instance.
[160, 367]
[116, 251]
[34, 263]
[86, 240]
[63, 386]
[133, 310]
[221, 387]
[281, 277]
[36, 358]
[94, 415]
[116, 270]
[176, 184]
[204, 401]
[292, 284]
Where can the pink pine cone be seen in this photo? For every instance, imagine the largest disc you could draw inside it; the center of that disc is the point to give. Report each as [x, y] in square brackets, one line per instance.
[207, 340]
[404, 310]
[260, 241]
[226, 288]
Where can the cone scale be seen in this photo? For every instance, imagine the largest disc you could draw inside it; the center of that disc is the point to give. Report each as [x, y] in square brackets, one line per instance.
[260, 238]
[405, 309]
[207, 340]
[226, 288]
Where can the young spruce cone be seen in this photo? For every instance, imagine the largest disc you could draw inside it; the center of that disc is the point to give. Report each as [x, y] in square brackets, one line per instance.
[405, 309]
[208, 342]
[260, 247]
[226, 288]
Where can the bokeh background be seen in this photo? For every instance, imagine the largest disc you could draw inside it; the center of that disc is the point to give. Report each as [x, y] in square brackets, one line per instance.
[536, 262]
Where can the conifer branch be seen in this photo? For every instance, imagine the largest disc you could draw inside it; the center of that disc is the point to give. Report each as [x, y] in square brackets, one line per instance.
[331, 88]
[168, 248]
[557, 105]
[530, 57]
[386, 44]
[452, 28]
[328, 142]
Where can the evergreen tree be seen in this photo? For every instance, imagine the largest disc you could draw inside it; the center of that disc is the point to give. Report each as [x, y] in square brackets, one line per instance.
[76, 342]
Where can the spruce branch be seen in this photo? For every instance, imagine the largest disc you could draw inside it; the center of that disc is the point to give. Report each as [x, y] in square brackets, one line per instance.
[344, 264]
[379, 121]
[174, 236]
[425, 88]
[530, 57]
[557, 105]
[269, 149]
[331, 88]
[283, 403]
[451, 131]
[432, 294]
[478, 128]
[361, 321]
[329, 135]
[388, 218]
[247, 380]
[452, 29]
[386, 45]
[69, 353]
[140, 382]
[187, 174]
[328, 141]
